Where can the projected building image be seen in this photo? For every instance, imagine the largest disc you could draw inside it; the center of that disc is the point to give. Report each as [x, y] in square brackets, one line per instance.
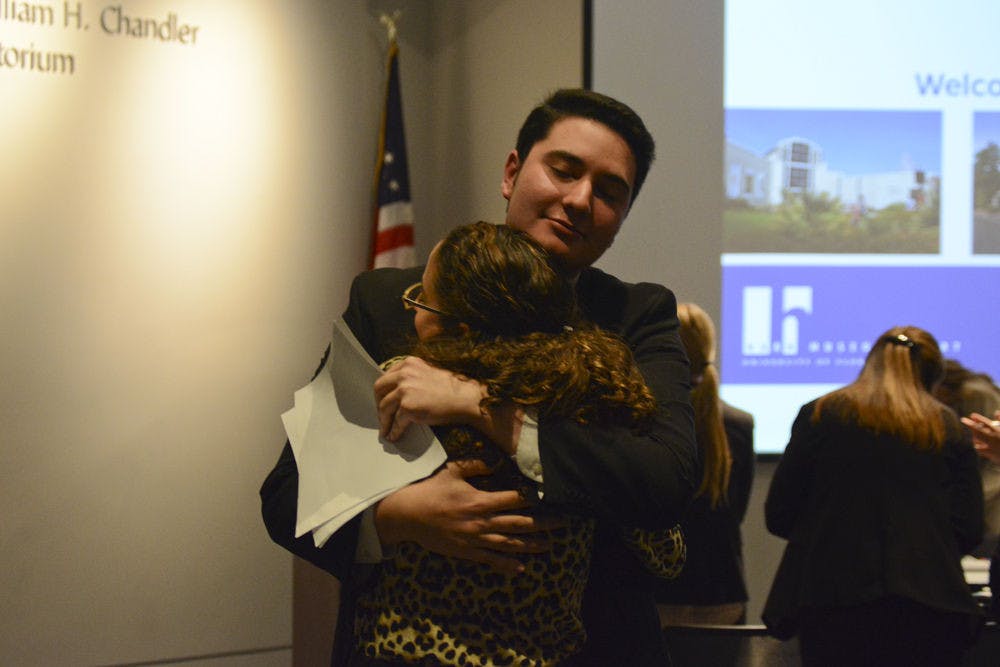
[986, 183]
[831, 182]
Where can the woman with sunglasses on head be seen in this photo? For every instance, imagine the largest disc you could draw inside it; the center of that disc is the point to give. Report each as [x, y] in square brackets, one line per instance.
[878, 495]
[492, 307]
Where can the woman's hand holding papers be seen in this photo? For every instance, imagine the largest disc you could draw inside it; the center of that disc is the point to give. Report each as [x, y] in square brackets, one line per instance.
[415, 392]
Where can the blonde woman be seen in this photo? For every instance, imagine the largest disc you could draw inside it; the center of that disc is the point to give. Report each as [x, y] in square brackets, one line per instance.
[711, 589]
[878, 495]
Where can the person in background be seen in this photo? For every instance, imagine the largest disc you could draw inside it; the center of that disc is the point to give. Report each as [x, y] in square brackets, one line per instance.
[966, 392]
[986, 438]
[985, 434]
[878, 495]
[578, 164]
[711, 589]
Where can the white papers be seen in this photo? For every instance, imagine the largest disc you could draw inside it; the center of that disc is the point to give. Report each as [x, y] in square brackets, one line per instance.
[344, 466]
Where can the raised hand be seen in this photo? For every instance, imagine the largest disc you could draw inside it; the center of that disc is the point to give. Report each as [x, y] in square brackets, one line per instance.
[985, 435]
[413, 391]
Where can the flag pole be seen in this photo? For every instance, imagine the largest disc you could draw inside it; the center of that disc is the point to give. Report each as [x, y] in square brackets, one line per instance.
[392, 231]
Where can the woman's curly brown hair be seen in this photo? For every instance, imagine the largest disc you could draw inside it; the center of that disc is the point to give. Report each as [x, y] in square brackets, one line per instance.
[523, 336]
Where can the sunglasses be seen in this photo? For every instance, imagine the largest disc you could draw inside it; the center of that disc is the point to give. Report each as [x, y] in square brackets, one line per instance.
[411, 299]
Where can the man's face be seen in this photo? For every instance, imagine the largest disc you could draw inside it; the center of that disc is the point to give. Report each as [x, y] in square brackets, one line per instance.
[572, 191]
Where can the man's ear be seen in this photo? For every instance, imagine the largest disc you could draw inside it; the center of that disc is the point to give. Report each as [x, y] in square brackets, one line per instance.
[463, 327]
[510, 170]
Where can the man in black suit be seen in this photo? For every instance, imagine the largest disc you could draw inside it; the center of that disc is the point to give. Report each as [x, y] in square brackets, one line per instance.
[579, 162]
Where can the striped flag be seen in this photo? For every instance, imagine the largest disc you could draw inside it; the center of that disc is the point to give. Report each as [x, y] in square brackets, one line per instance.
[392, 233]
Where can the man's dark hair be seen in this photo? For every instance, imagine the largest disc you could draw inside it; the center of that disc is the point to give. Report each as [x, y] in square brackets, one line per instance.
[581, 103]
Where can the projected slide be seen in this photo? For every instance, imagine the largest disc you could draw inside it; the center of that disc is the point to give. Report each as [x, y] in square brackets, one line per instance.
[862, 185]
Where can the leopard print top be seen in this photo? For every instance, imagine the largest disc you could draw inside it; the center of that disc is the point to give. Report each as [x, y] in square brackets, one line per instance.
[424, 608]
[662, 553]
[427, 609]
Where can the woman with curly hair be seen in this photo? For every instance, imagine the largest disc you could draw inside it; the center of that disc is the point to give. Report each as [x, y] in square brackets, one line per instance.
[511, 322]
[878, 495]
[491, 307]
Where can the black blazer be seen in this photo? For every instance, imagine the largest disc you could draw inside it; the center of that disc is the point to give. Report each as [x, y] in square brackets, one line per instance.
[868, 516]
[713, 573]
[610, 473]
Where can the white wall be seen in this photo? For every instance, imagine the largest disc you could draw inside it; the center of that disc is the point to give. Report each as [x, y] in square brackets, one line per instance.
[178, 224]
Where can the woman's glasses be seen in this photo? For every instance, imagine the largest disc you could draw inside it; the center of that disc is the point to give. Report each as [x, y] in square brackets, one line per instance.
[411, 300]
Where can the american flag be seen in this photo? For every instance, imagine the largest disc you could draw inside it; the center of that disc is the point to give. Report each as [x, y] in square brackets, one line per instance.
[392, 233]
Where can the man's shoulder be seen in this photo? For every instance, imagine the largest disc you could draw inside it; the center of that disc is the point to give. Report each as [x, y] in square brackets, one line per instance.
[376, 281]
[594, 280]
[375, 313]
[622, 307]
[377, 288]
